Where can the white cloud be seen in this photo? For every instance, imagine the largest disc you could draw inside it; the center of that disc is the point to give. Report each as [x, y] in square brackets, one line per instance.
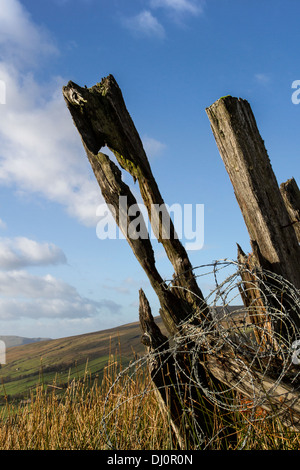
[41, 152]
[25, 295]
[16, 253]
[262, 78]
[152, 146]
[12, 309]
[29, 296]
[146, 24]
[179, 6]
[19, 283]
[21, 40]
[40, 149]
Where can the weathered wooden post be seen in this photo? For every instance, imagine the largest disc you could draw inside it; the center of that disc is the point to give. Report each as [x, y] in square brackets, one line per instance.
[256, 189]
[100, 115]
[102, 119]
[272, 236]
[201, 361]
[291, 196]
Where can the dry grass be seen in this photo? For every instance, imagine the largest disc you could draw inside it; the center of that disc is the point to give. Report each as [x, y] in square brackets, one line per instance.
[72, 419]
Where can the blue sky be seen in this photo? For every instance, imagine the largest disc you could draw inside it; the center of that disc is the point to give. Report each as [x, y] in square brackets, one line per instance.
[172, 59]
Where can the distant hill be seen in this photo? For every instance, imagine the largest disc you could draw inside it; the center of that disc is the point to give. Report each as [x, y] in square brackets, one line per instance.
[31, 361]
[65, 358]
[11, 341]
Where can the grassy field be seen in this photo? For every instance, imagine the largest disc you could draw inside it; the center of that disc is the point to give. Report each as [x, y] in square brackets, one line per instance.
[73, 417]
[65, 358]
[121, 412]
[51, 402]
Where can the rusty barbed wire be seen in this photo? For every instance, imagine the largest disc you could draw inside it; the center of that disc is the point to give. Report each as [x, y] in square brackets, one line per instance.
[264, 358]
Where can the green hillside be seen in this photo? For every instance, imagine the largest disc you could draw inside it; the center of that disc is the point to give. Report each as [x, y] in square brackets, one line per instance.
[65, 358]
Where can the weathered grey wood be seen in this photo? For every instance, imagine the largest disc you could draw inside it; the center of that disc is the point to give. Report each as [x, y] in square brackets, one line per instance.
[257, 311]
[112, 187]
[101, 117]
[275, 248]
[152, 337]
[291, 196]
[256, 189]
[160, 365]
[179, 386]
[281, 400]
[223, 366]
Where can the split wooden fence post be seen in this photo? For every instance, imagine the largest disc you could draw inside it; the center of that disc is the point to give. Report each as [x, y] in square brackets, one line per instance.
[101, 118]
[256, 189]
[272, 236]
[185, 376]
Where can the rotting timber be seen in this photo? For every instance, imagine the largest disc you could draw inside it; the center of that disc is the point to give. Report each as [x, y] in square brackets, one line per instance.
[184, 379]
